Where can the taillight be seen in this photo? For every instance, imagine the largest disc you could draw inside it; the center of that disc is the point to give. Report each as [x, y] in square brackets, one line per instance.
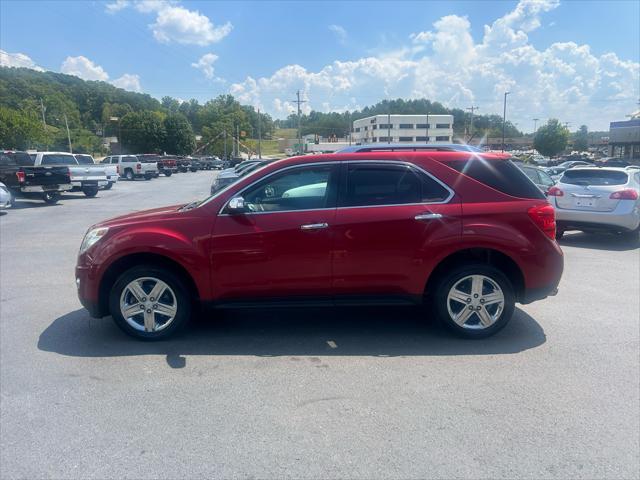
[626, 194]
[555, 192]
[21, 177]
[138, 166]
[544, 216]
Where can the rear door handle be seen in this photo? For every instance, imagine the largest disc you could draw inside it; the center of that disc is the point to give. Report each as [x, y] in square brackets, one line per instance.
[313, 226]
[428, 216]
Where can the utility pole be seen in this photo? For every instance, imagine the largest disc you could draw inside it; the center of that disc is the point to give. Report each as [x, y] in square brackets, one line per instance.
[225, 145]
[389, 125]
[44, 123]
[259, 136]
[504, 118]
[535, 125]
[473, 109]
[299, 102]
[237, 140]
[427, 127]
[68, 134]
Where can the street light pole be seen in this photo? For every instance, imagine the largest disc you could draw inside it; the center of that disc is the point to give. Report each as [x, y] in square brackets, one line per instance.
[504, 117]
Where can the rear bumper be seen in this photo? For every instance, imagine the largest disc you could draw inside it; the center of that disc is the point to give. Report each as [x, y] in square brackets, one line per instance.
[89, 183]
[46, 188]
[626, 216]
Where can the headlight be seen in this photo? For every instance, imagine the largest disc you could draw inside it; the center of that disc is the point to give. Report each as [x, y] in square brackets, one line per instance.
[92, 237]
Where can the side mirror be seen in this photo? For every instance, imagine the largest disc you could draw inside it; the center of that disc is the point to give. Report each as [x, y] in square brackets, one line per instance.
[236, 205]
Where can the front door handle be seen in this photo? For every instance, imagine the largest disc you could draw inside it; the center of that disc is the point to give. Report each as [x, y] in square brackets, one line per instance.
[428, 216]
[314, 226]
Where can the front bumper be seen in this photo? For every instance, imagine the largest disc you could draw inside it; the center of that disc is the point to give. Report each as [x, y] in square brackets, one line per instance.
[86, 284]
[626, 216]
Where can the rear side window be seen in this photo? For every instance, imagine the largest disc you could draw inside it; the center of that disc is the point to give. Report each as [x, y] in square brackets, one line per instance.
[389, 185]
[21, 159]
[501, 175]
[594, 177]
[84, 159]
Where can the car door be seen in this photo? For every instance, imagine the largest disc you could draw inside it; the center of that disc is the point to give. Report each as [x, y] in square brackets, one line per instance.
[392, 220]
[280, 245]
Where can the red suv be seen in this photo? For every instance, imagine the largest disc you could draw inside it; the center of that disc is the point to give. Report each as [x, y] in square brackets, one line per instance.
[465, 232]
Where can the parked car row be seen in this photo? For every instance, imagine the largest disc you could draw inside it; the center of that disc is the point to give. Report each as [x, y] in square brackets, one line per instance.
[47, 174]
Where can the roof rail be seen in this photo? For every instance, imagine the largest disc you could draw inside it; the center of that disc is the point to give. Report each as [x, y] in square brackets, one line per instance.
[411, 147]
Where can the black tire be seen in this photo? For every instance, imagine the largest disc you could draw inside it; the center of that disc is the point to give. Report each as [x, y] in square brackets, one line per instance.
[109, 185]
[559, 233]
[182, 299]
[90, 191]
[128, 174]
[167, 173]
[147, 177]
[632, 236]
[448, 280]
[50, 198]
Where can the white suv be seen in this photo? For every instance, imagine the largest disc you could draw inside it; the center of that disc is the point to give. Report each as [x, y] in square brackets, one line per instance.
[130, 167]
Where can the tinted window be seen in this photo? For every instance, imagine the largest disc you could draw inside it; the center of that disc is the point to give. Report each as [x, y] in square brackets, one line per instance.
[130, 158]
[58, 159]
[545, 179]
[580, 176]
[17, 158]
[302, 188]
[501, 175]
[84, 159]
[532, 173]
[389, 185]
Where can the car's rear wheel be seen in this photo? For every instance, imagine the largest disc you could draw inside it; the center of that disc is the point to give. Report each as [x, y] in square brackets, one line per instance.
[108, 186]
[51, 198]
[90, 191]
[167, 173]
[475, 301]
[129, 174]
[150, 303]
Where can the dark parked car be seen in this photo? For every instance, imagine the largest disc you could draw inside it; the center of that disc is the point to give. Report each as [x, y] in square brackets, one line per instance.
[538, 176]
[20, 176]
[466, 233]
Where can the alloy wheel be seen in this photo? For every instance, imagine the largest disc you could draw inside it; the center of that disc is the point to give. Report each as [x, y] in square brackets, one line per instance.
[148, 304]
[475, 302]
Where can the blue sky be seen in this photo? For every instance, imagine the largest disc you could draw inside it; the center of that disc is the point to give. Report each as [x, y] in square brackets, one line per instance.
[574, 60]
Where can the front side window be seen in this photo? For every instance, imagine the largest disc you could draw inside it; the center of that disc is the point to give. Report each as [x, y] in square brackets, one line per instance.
[370, 185]
[302, 188]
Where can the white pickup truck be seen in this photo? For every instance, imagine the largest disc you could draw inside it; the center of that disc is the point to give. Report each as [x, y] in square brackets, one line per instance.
[87, 179]
[111, 170]
[131, 167]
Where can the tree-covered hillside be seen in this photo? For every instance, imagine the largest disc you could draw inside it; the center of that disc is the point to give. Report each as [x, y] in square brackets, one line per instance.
[95, 109]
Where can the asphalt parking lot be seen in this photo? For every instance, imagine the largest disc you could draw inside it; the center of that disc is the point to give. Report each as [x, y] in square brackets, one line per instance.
[348, 393]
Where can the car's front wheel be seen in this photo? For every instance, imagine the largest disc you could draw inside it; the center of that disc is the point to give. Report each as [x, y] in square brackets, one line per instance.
[475, 301]
[150, 303]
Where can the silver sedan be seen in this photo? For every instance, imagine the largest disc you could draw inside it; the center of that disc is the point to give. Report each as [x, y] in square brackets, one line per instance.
[598, 199]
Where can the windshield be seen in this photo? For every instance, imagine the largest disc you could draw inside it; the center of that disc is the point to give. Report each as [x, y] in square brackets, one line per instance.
[85, 159]
[58, 159]
[594, 177]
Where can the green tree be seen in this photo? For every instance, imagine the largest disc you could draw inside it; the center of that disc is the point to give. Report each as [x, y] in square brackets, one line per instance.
[551, 139]
[142, 132]
[179, 138]
[19, 130]
[581, 139]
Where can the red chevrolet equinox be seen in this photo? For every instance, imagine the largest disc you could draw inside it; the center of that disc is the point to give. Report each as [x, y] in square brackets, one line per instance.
[463, 232]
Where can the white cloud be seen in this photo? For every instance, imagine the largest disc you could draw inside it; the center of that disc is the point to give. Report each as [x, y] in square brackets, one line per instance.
[205, 64]
[175, 23]
[128, 81]
[564, 80]
[18, 60]
[84, 68]
[340, 33]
